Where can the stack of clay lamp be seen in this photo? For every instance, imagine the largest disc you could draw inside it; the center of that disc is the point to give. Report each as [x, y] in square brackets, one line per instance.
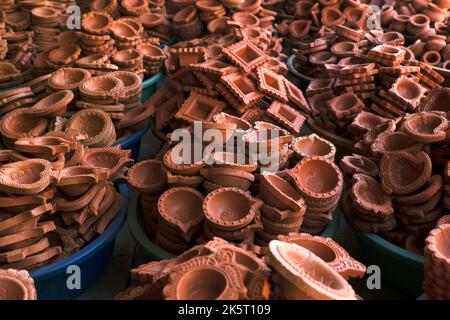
[69, 201]
[103, 109]
[426, 24]
[17, 285]
[402, 203]
[272, 273]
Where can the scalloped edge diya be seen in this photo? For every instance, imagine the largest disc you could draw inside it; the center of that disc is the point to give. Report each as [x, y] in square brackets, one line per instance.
[17, 285]
[313, 145]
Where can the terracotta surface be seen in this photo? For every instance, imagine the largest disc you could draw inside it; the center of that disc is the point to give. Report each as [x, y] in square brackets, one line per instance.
[17, 285]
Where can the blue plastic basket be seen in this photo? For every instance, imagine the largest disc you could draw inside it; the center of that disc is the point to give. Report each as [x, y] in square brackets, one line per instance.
[133, 142]
[51, 280]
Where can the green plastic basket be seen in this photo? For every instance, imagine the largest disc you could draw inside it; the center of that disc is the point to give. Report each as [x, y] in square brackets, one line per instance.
[399, 267]
[136, 225]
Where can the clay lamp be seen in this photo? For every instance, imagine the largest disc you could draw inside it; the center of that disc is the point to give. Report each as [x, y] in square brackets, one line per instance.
[437, 100]
[132, 84]
[331, 17]
[392, 38]
[240, 123]
[417, 23]
[226, 131]
[206, 282]
[188, 165]
[181, 207]
[344, 48]
[369, 198]
[268, 140]
[407, 92]
[437, 250]
[308, 275]
[150, 20]
[393, 142]
[45, 14]
[45, 145]
[329, 251]
[232, 160]
[403, 173]
[52, 105]
[19, 123]
[64, 55]
[317, 179]
[96, 125]
[122, 31]
[279, 193]
[443, 220]
[127, 57]
[25, 177]
[111, 158]
[245, 20]
[151, 52]
[228, 177]
[426, 127]
[299, 28]
[374, 133]
[176, 180]
[230, 208]
[17, 285]
[103, 88]
[313, 145]
[96, 22]
[322, 57]
[68, 79]
[358, 164]
[148, 177]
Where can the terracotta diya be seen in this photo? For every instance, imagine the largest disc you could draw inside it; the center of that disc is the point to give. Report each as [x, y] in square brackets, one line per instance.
[181, 207]
[313, 145]
[53, 105]
[148, 177]
[279, 193]
[426, 127]
[230, 208]
[310, 276]
[329, 251]
[16, 285]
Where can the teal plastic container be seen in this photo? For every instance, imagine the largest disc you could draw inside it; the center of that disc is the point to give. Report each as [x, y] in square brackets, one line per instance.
[150, 85]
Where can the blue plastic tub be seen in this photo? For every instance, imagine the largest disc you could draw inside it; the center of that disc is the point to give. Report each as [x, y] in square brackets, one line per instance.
[92, 260]
[150, 85]
[133, 142]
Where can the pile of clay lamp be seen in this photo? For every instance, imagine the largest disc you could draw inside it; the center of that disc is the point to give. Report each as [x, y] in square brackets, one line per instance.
[437, 261]
[104, 109]
[38, 39]
[55, 196]
[425, 25]
[17, 285]
[218, 196]
[396, 182]
[218, 270]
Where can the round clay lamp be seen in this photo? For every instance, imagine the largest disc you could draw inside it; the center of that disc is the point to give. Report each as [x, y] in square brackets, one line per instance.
[25, 177]
[105, 88]
[392, 142]
[417, 23]
[150, 19]
[68, 79]
[329, 251]
[64, 55]
[180, 164]
[358, 164]
[313, 145]
[127, 57]
[279, 193]
[16, 285]
[317, 178]
[426, 127]
[246, 19]
[94, 123]
[433, 58]
[309, 274]
[299, 28]
[391, 38]
[52, 105]
[45, 13]
[403, 173]
[241, 124]
[209, 130]
[151, 52]
[344, 48]
[132, 82]
[232, 160]
[96, 22]
[230, 208]
[331, 17]
[148, 177]
[437, 247]
[123, 31]
[109, 6]
[111, 158]
[443, 220]
[227, 177]
[181, 207]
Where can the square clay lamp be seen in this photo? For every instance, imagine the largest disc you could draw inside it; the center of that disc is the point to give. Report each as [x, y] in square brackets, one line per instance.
[242, 87]
[215, 67]
[188, 56]
[271, 83]
[296, 97]
[246, 55]
[287, 116]
[184, 78]
[407, 91]
[199, 108]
